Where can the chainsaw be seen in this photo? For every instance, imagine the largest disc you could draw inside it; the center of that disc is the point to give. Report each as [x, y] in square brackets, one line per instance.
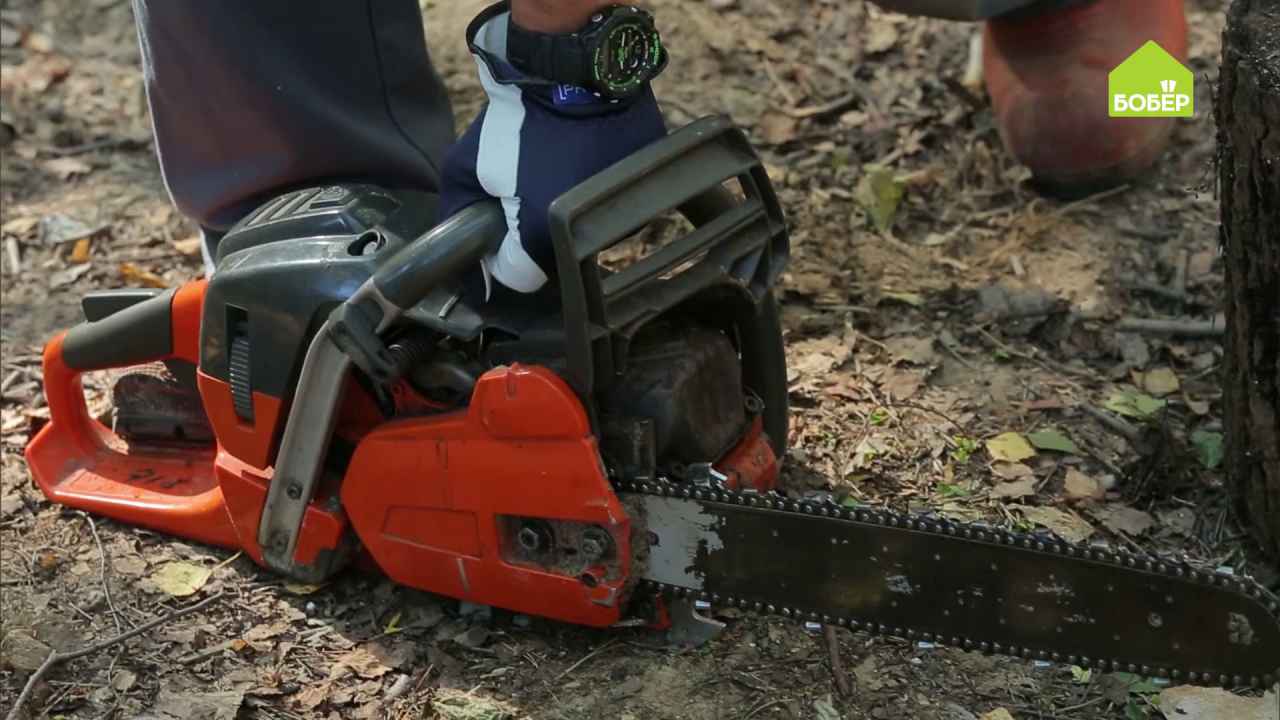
[603, 453]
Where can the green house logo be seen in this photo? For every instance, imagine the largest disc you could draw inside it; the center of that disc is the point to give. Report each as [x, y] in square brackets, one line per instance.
[1151, 83]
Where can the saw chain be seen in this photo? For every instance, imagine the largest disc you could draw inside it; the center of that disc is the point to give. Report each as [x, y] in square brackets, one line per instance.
[945, 583]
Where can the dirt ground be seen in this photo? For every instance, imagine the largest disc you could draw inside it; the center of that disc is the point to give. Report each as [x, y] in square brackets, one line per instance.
[918, 334]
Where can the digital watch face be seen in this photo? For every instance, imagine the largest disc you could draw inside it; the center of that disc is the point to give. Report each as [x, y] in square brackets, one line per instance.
[626, 57]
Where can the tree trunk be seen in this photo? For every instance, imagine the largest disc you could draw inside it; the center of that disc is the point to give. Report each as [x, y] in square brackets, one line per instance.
[1248, 115]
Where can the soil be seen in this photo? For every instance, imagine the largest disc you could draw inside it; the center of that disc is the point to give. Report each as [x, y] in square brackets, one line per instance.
[978, 308]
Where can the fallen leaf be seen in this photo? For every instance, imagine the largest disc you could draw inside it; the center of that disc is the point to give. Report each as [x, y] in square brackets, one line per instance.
[915, 350]
[131, 565]
[1199, 703]
[997, 714]
[124, 680]
[189, 247]
[450, 704]
[20, 651]
[67, 167]
[1208, 447]
[1066, 525]
[138, 276]
[1052, 440]
[1136, 405]
[1180, 520]
[1123, 519]
[880, 192]
[901, 384]
[1078, 486]
[258, 633]
[373, 660]
[20, 225]
[881, 34]
[824, 709]
[1015, 490]
[777, 128]
[297, 588]
[1011, 471]
[1160, 382]
[313, 695]
[1010, 447]
[181, 579]
[69, 275]
[58, 229]
[910, 298]
[80, 253]
[199, 706]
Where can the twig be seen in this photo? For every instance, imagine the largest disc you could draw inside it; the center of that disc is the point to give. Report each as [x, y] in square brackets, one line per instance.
[843, 102]
[837, 668]
[1115, 424]
[1069, 207]
[102, 571]
[585, 658]
[15, 257]
[104, 144]
[1184, 328]
[761, 708]
[1170, 293]
[56, 657]
[9, 380]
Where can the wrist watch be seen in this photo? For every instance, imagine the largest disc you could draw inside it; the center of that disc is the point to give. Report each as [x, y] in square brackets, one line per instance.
[614, 56]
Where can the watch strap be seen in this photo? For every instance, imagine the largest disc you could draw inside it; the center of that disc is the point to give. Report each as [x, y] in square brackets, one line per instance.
[558, 57]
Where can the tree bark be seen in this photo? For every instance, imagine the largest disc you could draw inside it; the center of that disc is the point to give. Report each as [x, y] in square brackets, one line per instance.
[1248, 116]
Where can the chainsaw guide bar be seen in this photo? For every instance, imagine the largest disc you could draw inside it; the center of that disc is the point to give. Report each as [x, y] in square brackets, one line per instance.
[970, 586]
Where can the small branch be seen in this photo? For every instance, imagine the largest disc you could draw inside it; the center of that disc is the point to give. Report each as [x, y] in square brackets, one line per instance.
[837, 668]
[1170, 293]
[1115, 424]
[838, 105]
[102, 572]
[587, 657]
[56, 658]
[1184, 328]
[761, 708]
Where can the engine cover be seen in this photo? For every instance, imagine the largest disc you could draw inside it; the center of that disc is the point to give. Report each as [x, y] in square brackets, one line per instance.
[686, 381]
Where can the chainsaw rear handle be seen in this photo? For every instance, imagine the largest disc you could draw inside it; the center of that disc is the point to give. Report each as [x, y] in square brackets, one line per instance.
[160, 327]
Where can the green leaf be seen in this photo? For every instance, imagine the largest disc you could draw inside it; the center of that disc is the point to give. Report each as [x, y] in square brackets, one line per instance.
[1136, 684]
[1208, 447]
[879, 416]
[1052, 440]
[1010, 447]
[880, 193]
[1081, 676]
[964, 448]
[1134, 404]
[949, 490]
[910, 298]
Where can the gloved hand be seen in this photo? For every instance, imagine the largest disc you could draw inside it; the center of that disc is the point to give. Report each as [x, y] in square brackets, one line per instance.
[533, 142]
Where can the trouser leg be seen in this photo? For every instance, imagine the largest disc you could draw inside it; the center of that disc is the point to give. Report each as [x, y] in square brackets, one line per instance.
[969, 9]
[251, 98]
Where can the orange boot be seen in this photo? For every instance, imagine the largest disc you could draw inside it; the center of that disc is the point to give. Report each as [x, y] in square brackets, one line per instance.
[1047, 73]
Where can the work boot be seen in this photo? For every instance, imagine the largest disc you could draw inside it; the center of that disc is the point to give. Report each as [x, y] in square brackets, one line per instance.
[1046, 72]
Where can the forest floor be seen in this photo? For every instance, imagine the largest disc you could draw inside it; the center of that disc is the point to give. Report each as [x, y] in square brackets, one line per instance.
[919, 336]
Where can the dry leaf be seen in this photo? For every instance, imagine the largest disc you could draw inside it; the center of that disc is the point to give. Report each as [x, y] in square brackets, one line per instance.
[916, 350]
[124, 680]
[1160, 382]
[997, 714]
[902, 385]
[1015, 490]
[67, 167]
[1078, 486]
[199, 706]
[189, 247]
[1066, 525]
[80, 253]
[131, 565]
[777, 128]
[1010, 447]
[1011, 471]
[181, 579]
[20, 226]
[1123, 519]
[296, 588]
[69, 275]
[1199, 703]
[135, 275]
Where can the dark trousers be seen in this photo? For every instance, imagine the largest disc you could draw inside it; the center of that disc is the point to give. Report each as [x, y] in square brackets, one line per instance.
[252, 97]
